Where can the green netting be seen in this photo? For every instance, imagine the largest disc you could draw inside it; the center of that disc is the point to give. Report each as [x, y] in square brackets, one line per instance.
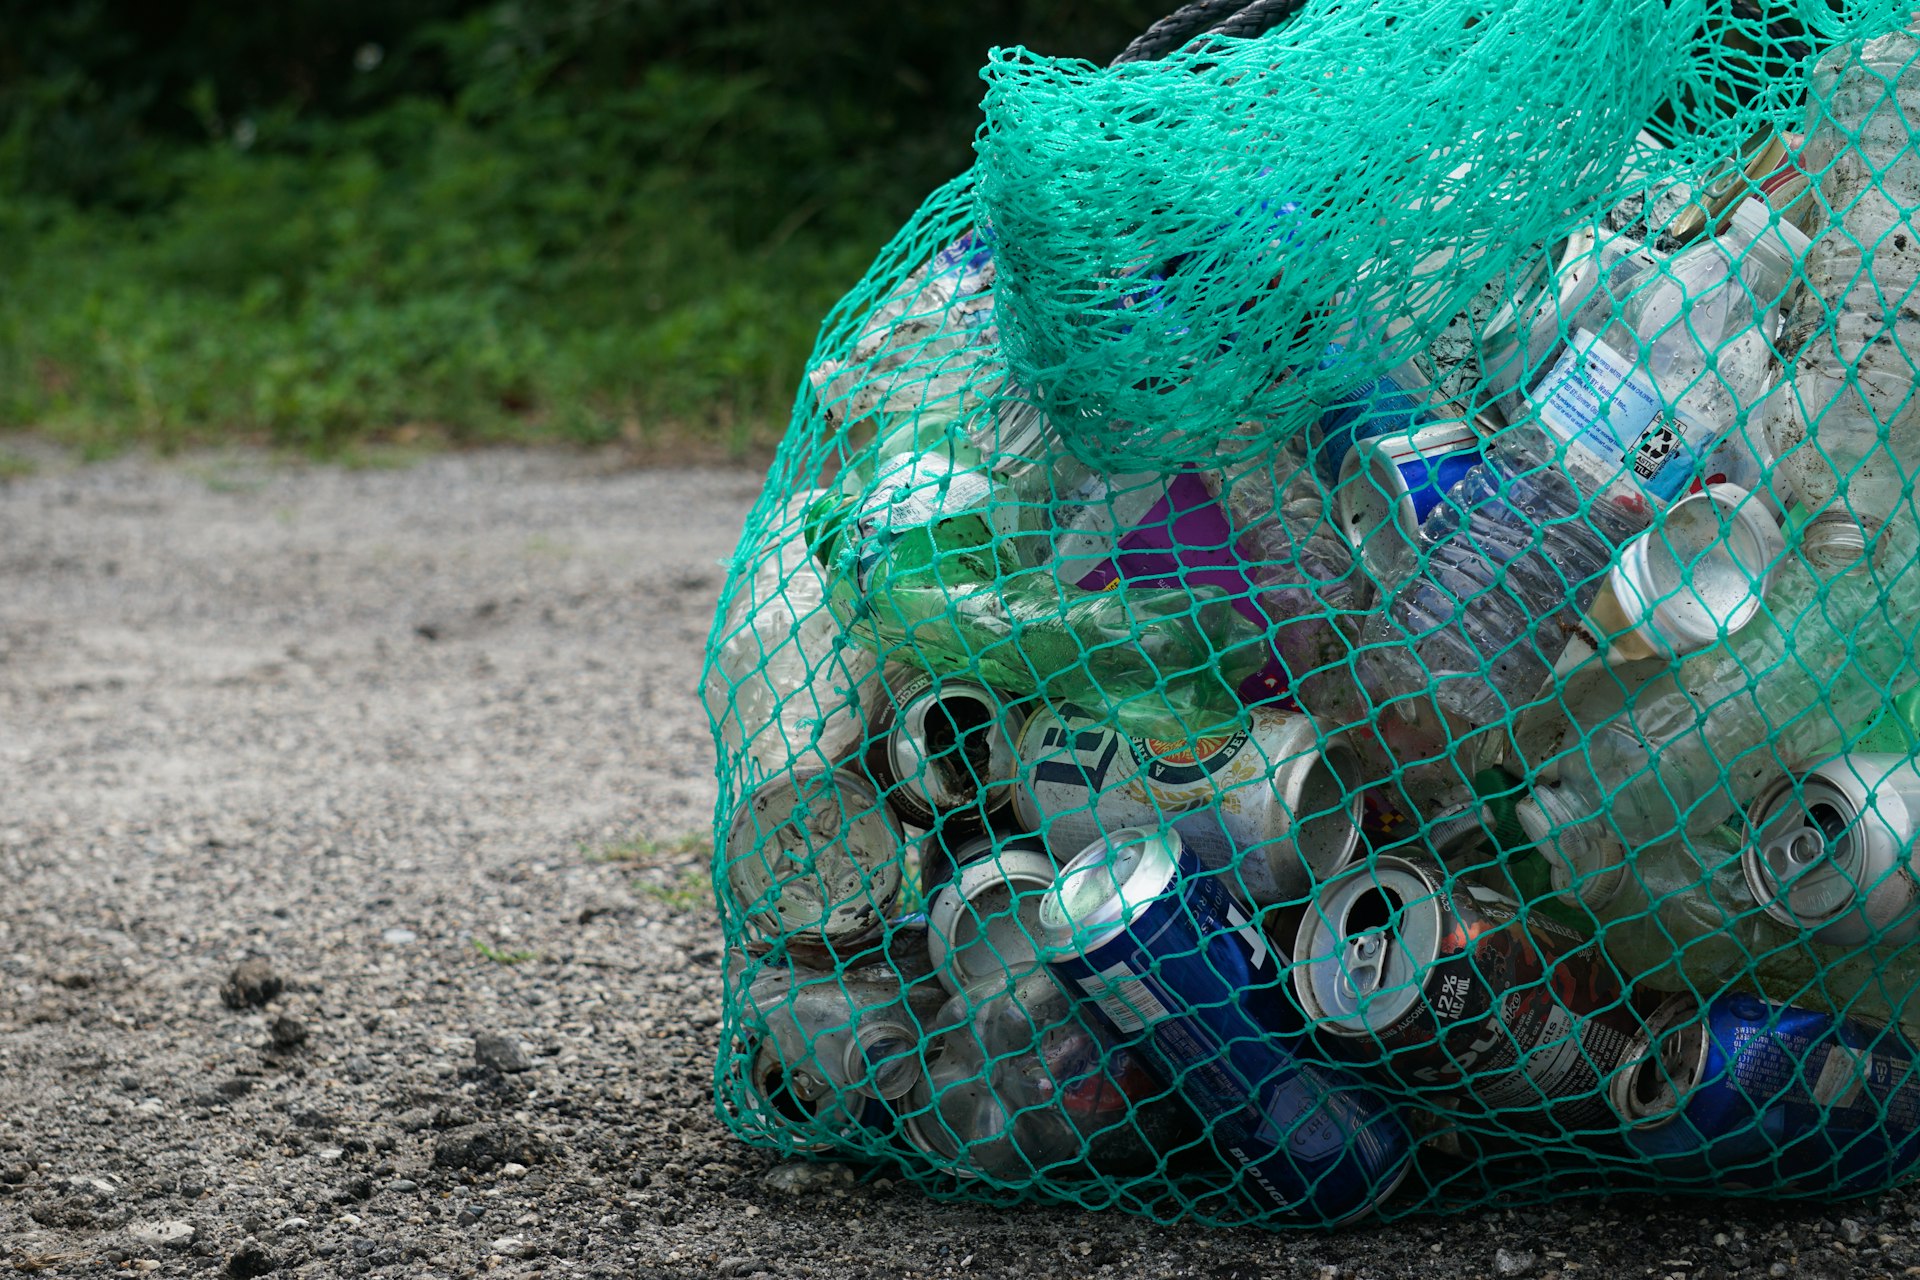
[1333, 631]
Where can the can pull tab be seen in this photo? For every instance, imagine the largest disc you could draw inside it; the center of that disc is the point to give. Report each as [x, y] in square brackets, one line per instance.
[1795, 852]
[1364, 965]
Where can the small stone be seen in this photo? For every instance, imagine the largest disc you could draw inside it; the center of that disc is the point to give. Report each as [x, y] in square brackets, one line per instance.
[251, 985]
[168, 1234]
[238, 1087]
[514, 1247]
[403, 1184]
[1778, 1270]
[800, 1178]
[250, 1260]
[467, 1216]
[1513, 1262]
[287, 1033]
[397, 937]
[150, 1107]
[414, 1120]
[501, 1053]
[294, 1224]
[1852, 1232]
[330, 1154]
[513, 1170]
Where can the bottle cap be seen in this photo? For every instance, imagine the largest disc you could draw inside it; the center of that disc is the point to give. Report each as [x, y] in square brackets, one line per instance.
[1699, 575]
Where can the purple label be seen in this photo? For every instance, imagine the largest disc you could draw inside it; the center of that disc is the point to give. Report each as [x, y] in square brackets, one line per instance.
[1184, 541]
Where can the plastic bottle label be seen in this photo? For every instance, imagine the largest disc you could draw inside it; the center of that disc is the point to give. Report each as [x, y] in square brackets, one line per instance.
[923, 495]
[1598, 401]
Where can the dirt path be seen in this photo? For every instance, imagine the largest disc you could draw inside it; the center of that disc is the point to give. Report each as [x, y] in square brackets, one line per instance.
[426, 740]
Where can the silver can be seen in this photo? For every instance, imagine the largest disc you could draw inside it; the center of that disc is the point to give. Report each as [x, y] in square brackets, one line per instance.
[814, 856]
[1079, 781]
[982, 926]
[942, 744]
[1281, 802]
[1831, 852]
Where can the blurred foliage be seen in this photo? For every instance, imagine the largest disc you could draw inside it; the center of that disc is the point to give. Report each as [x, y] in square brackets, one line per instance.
[317, 222]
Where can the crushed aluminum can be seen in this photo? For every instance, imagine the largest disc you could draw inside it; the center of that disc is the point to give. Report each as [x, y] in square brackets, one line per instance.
[1078, 780]
[982, 925]
[1462, 998]
[1279, 802]
[942, 745]
[814, 855]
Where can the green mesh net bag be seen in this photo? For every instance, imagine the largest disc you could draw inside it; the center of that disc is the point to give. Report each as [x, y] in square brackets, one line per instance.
[1333, 633]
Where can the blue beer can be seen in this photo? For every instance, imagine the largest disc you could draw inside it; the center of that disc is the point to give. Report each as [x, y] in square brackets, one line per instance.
[1160, 946]
[1748, 1094]
[1389, 484]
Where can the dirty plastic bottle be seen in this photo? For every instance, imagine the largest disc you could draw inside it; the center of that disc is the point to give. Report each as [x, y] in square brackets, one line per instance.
[785, 687]
[1844, 428]
[1515, 554]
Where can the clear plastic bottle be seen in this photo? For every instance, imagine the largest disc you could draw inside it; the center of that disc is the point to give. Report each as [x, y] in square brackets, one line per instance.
[1515, 554]
[1303, 568]
[1846, 427]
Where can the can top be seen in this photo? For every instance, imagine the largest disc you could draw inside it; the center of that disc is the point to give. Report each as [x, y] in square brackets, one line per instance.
[814, 851]
[1653, 1086]
[1822, 846]
[951, 742]
[984, 926]
[1364, 948]
[1104, 886]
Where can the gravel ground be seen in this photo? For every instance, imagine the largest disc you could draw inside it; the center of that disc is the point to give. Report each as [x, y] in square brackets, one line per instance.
[422, 746]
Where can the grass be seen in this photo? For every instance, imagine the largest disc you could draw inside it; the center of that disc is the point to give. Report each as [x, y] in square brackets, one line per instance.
[672, 871]
[499, 956]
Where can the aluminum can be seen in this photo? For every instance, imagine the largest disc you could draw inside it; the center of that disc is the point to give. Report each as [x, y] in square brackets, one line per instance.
[942, 745]
[1278, 802]
[947, 850]
[795, 1100]
[813, 855]
[1388, 484]
[1831, 853]
[1079, 780]
[1745, 1094]
[982, 925]
[1026, 1081]
[1136, 922]
[1460, 998]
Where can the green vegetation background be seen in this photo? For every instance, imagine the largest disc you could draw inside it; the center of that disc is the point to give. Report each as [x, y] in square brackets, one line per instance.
[320, 222]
